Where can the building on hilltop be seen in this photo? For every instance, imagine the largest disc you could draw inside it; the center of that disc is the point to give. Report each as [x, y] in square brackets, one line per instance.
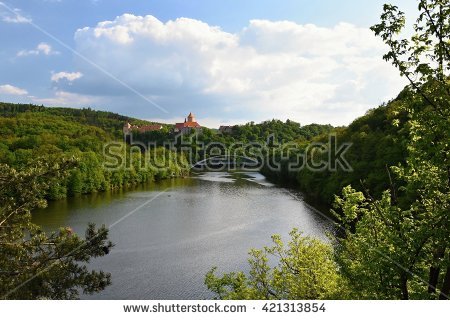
[128, 128]
[189, 125]
[226, 129]
[152, 127]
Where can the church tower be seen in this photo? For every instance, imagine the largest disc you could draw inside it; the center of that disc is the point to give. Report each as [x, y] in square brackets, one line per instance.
[191, 117]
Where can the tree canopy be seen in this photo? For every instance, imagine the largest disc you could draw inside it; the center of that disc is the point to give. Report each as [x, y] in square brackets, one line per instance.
[37, 265]
[305, 270]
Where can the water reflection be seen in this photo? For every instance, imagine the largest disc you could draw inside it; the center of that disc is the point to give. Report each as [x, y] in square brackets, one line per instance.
[164, 249]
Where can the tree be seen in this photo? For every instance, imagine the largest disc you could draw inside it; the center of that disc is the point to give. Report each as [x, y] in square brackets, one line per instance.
[36, 265]
[305, 270]
[384, 249]
[75, 182]
[400, 249]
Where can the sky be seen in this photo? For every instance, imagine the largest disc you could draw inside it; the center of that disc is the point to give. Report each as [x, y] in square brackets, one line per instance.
[229, 61]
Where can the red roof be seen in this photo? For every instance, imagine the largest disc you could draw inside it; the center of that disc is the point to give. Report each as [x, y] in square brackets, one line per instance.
[187, 125]
[154, 127]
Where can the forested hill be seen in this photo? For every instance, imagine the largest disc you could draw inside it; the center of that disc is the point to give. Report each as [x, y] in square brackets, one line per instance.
[29, 133]
[378, 141]
[111, 123]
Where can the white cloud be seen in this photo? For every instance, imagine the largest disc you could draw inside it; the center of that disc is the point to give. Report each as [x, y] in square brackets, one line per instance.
[268, 70]
[62, 98]
[16, 19]
[69, 76]
[12, 90]
[12, 15]
[41, 48]
[45, 48]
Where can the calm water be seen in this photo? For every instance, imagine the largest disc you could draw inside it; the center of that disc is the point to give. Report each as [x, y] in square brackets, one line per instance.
[184, 227]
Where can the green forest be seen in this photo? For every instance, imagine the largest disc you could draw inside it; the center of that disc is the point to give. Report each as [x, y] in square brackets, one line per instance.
[391, 211]
[31, 132]
[378, 142]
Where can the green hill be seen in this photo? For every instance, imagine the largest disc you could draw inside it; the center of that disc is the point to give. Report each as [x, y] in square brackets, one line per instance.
[378, 142]
[29, 132]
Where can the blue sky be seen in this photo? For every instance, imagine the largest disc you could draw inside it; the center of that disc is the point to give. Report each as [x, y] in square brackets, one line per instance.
[226, 61]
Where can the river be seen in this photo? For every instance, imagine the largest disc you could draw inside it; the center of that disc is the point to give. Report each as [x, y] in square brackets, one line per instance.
[169, 234]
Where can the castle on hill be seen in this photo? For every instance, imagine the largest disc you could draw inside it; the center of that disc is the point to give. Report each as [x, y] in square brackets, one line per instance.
[189, 125]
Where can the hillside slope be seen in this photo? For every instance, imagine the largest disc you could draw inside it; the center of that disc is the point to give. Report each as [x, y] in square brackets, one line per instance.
[378, 142]
[29, 132]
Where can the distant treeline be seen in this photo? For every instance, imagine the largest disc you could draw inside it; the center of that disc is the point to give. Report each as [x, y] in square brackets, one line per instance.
[289, 131]
[110, 122]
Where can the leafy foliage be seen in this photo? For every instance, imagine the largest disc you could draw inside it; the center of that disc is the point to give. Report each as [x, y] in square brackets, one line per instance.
[36, 265]
[384, 251]
[411, 238]
[305, 270]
